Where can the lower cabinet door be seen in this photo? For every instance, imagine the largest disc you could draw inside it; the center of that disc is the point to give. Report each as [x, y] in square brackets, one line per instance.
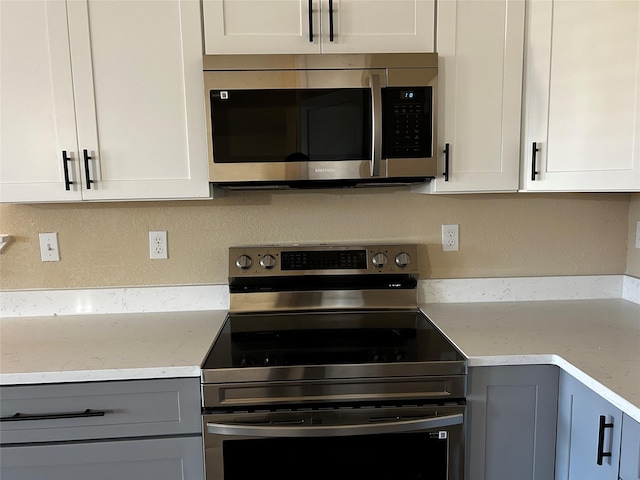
[589, 431]
[511, 422]
[176, 458]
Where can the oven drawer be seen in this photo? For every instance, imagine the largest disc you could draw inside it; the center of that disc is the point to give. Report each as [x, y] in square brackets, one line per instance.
[99, 410]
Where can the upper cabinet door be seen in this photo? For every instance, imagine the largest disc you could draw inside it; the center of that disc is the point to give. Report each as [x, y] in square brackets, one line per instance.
[37, 120]
[137, 74]
[479, 104]
[261, 26]
[377, 26]
[318, 26]
[582, 104]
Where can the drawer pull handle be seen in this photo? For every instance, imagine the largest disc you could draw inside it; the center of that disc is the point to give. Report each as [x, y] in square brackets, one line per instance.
[65, 160]
[331, 20]
[446, 162]
[18, 417]
[87, 174]
[311, 21]
[601, 452]
[534, 154]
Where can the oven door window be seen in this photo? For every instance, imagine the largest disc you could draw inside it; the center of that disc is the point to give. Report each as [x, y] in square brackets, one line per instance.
[291, 125]
[406, 456]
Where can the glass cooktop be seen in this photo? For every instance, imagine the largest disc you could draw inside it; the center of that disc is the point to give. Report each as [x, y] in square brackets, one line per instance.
[328, 338]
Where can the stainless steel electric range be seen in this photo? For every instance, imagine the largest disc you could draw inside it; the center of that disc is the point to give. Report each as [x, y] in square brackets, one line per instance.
[326, 368]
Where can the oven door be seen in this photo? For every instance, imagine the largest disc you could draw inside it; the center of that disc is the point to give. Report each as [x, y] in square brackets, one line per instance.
[341, 443]
[294, 125]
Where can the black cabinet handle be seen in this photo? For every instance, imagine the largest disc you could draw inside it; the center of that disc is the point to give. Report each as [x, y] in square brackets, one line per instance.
[65, 166]
[311, 21]
[19, 417]
[534, 153]
[446, 162]
[87, 174]
[331, 20]
[601, 452]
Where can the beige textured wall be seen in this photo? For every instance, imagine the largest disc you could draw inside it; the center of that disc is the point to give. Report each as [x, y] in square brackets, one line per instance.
[633, 254]
[500, 235]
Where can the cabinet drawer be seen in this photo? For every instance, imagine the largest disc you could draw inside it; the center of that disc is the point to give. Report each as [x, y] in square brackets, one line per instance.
[146, 459]
[96, 410]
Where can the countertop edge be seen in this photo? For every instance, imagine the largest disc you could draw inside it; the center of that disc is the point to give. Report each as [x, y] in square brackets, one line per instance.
[78, 376]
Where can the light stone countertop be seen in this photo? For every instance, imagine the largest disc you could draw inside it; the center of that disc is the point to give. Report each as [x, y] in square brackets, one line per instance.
[78, 348]
[596, 341]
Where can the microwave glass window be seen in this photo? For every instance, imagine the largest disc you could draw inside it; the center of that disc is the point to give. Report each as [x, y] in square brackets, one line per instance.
[291, 125]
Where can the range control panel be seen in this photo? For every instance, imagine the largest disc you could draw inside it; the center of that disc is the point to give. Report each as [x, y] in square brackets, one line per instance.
[322, 260]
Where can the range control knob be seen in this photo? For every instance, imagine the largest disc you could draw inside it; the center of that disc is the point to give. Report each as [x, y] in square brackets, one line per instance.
[403, 259]
[379, 260]
[268, 262]
[244, 262]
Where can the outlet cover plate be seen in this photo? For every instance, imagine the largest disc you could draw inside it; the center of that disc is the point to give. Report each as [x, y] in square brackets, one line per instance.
[158, 245]
[450, 239]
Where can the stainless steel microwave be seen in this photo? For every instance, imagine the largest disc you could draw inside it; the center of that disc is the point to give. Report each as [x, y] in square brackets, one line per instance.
[287, 121]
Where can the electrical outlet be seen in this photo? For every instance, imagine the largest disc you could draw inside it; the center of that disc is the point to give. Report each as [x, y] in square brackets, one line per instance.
[158, 245]
[49, 251]
[450, 238]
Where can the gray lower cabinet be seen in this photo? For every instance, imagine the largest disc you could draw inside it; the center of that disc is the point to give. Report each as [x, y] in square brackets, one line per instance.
[146, 459]
[511, 423]
[139, 429]
[630, 449]
[589, 432]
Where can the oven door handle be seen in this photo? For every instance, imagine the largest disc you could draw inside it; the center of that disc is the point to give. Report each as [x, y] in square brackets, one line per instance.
[376, 146]
[402, 426]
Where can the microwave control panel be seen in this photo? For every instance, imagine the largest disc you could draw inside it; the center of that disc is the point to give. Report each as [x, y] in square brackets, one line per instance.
[408, 125]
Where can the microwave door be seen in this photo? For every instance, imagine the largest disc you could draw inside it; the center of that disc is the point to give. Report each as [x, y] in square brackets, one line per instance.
[326, 128]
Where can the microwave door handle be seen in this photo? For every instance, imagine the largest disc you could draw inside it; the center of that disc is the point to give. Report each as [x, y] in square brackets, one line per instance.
[376, 147]
[248, 430]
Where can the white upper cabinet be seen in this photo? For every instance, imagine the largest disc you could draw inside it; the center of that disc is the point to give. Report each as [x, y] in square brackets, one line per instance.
[37, 118]
[318, 26]
[261, 26]
[117, 85]
[582, 96]
[480, 48]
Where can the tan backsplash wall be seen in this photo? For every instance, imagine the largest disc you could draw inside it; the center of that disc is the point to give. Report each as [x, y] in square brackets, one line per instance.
[500, 235]
[633, 254]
